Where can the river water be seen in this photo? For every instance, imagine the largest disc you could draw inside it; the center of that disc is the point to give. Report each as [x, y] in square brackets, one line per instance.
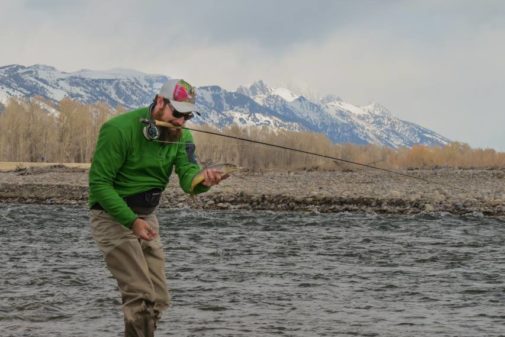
[263, 274]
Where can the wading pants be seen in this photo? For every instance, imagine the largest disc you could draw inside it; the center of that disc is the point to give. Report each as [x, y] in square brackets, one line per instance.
[139, 268]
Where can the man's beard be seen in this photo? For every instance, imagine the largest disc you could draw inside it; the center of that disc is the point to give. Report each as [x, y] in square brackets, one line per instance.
[168, 134]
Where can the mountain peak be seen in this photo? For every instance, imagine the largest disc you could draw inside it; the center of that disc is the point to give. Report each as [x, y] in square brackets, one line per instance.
[42, 67]
[330, 99]
[376, 109]
[114, 73]
[258, 88]
[33, 69]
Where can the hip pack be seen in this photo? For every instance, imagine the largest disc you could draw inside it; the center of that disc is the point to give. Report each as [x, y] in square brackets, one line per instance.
[145, 199]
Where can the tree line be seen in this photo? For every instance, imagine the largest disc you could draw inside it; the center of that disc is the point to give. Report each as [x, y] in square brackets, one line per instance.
[68, 133]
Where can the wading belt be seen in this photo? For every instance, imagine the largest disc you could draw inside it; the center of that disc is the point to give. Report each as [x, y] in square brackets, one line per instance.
[141, 203]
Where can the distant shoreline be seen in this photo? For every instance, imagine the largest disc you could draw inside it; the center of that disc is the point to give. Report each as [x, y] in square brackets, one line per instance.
[6, 166]
[371, 191]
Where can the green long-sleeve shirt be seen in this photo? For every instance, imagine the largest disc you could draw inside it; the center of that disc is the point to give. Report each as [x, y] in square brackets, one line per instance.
[126, 163]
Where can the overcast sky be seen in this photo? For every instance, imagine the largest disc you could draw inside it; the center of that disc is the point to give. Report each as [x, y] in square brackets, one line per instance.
[438, 63]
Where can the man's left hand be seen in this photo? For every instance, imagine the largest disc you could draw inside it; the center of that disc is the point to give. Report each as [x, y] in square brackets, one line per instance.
[213, 176]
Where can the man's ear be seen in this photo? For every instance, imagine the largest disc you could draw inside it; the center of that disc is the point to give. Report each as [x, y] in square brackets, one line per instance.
[159, 102]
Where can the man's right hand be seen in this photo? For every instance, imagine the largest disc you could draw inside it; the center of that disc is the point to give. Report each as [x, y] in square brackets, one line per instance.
[143, 230]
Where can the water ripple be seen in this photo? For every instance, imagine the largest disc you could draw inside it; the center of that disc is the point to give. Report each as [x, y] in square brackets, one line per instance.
[263, 274]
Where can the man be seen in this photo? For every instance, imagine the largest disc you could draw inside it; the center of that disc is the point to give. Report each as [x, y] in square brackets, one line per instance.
[131, 166]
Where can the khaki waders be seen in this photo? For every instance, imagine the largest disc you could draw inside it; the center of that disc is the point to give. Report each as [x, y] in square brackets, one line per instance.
[139, 268]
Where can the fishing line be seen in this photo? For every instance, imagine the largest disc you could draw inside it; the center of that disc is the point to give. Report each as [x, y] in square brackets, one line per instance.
[164, 124]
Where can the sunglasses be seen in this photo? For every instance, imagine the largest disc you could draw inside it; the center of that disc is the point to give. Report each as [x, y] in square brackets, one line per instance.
[177, 114]
[187, 115]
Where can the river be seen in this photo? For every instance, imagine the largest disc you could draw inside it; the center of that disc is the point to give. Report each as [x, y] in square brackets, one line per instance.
[263, 274]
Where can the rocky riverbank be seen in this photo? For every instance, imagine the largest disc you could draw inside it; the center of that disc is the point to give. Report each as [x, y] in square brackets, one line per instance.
[448, 190]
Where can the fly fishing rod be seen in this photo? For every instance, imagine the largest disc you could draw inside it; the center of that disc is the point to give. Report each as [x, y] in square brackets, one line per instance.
[164, 124]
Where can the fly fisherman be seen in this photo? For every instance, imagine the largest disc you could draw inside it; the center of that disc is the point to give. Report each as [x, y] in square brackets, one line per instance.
[131, 167]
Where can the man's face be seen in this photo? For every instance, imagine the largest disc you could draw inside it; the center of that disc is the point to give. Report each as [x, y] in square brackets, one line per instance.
[164, 112]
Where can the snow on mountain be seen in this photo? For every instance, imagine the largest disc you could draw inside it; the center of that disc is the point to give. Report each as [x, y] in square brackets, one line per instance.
[344, 106]
[344, 122]
[376, 109]
[259, 91]
[117, 73]
[222, 108]
[4, 95]
[256, 105]
[286, 94]
[117, 87]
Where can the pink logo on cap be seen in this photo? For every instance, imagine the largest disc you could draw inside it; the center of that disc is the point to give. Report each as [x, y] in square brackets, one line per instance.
[181, 94]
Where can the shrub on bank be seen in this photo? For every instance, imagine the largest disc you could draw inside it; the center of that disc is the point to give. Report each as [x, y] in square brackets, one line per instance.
[36, 130]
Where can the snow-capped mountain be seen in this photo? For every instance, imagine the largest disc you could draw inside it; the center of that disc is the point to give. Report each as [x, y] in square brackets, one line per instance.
[115, 87]
[222, 108]
[343, 122]
[256, 105]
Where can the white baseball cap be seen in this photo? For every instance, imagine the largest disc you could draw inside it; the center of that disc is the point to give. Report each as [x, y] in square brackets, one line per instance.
[180, 93]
